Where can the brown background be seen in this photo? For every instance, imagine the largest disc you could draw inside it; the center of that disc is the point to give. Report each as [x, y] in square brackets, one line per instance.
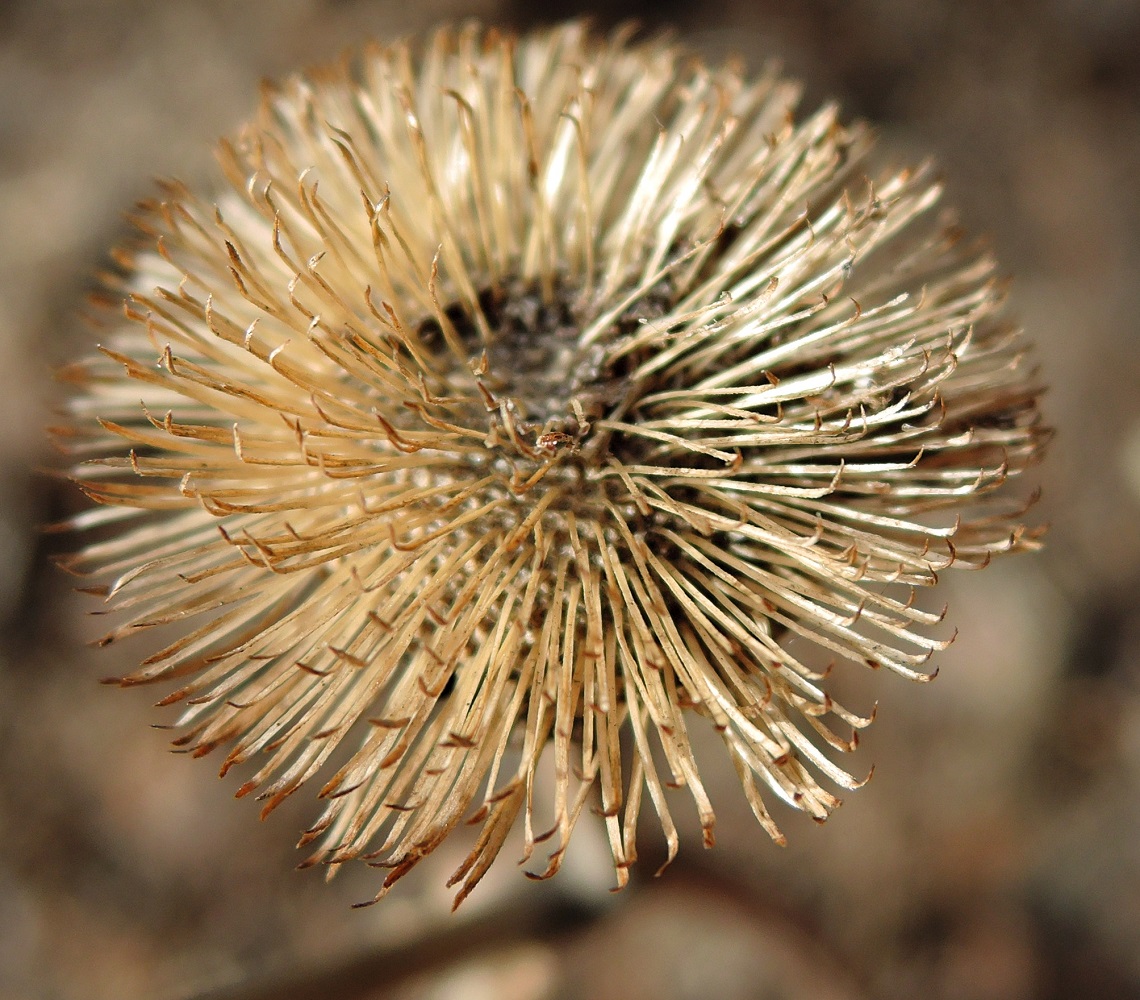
[995, 855]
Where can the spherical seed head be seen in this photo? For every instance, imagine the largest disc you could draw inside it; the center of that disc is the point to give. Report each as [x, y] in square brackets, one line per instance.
[524, 396]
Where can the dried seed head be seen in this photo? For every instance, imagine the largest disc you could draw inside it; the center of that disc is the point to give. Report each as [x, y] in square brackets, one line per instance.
[524, 396]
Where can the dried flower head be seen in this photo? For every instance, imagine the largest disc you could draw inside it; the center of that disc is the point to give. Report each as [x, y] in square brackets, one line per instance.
[528, 395]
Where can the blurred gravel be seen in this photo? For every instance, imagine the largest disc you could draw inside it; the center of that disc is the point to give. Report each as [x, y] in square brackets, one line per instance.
[996, 853]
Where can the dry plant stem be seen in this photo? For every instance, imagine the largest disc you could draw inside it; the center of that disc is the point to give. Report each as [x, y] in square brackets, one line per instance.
[515, 394]
[372, 972]
[554, 923]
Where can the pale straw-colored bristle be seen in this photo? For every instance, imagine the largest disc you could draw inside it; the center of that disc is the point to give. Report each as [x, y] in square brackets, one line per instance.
[524, 397]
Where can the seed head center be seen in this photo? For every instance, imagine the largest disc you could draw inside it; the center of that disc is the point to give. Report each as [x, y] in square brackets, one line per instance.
[535, 359]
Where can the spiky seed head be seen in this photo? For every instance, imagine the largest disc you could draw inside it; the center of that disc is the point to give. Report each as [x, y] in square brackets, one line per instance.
[524, 396]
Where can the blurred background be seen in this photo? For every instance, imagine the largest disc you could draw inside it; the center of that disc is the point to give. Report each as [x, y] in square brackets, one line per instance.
[996, 854]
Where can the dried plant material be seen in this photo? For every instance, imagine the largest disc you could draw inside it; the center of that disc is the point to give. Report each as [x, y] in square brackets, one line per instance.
[525, 396]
